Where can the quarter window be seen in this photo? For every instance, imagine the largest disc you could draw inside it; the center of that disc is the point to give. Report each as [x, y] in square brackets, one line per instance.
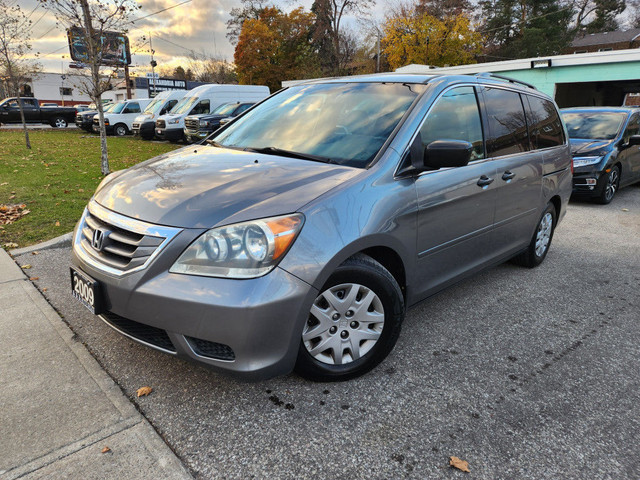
[455, 116]
[507, 125]
[545, 127]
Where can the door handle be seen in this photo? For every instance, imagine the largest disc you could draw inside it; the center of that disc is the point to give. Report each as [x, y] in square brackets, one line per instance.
[483, 181]
[508, 175]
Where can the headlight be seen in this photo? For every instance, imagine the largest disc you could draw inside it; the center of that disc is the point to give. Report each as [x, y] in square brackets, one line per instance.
[584, 161]
[173, 121]
[204, 123]
[243, 250]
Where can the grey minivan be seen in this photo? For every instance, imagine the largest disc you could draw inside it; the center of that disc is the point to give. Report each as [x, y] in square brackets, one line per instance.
[297, 237]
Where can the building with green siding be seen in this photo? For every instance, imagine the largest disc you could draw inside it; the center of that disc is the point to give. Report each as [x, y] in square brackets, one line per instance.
[609, 78]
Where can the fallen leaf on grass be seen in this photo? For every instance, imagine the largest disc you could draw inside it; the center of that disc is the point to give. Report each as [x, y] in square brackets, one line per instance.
[105, 450]
[57, 224]
[33, 279]
[26, 267]
[3, 184]
[144, 391]
[11, 213]
[11, 245]
[455, 462]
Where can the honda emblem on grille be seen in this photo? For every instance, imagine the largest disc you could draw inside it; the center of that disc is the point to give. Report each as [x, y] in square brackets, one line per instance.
[97, 241]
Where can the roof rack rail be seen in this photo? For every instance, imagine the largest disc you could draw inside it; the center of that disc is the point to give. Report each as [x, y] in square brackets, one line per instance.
[506, 79]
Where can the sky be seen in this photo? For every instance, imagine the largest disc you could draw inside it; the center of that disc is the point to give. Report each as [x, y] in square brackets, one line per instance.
[197, 26]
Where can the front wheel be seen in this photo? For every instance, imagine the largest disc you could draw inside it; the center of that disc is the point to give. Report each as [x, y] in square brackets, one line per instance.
[120, 130]
[59, 122]
[353, 324]
[539, 245]
[612, 183]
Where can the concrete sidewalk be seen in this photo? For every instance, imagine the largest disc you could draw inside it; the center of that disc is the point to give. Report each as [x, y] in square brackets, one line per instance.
[58, 407]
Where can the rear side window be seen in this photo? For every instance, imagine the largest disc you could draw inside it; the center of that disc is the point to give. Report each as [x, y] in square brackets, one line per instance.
[455, 116]
[545, 127]
[507, 125]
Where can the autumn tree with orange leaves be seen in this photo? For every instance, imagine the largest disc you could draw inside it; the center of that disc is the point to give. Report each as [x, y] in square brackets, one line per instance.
[412, 37]
[274, 47]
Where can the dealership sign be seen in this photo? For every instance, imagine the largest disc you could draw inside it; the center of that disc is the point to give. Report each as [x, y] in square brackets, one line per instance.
[114, 47]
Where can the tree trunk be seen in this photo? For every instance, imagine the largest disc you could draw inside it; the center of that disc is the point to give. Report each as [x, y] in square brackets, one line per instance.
[24, 122]
[104, 156]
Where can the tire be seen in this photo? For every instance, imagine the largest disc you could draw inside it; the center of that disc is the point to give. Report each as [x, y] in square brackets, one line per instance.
[537, 250]
[120, 129]
[611, 186]
[59, 122]
[372, 314]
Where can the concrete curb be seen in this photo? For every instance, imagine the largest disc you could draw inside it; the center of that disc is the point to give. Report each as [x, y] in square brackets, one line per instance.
[58, 242]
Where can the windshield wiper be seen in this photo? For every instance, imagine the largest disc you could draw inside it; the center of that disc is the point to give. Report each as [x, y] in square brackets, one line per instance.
[291, 154]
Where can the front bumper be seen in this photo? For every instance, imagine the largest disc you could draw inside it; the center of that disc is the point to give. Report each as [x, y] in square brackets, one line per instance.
[250, 328]
[193, 136]
[588, 182]
[171, 134]
[146, 130]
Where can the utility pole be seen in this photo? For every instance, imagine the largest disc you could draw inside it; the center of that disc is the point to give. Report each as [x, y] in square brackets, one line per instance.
[378, 56]
[153, 66]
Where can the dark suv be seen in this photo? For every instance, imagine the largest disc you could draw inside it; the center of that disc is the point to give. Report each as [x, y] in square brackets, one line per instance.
[300, 233]
[197, 127]
[606, 149]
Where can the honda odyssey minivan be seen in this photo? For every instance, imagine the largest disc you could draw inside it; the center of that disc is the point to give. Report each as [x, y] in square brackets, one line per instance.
[300, 233]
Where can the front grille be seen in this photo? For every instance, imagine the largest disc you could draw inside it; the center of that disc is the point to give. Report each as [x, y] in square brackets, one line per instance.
[192, 123]
[205, 348]
[139, 331]
[161, 124]
[121, 249]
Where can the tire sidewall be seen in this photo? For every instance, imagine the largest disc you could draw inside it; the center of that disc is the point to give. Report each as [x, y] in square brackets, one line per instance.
[120, 127]
[393, 304]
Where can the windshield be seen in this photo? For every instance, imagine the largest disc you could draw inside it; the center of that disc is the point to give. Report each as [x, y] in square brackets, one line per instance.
[117, 107]
[155, 106]
[594, 125]
[225, 109]
[346, 123]
[184, 105]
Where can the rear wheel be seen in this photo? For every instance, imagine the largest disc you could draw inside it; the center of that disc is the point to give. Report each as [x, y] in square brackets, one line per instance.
[539, 245]
[612, 183]
[120, 129]
[353, 324]
[59, 122]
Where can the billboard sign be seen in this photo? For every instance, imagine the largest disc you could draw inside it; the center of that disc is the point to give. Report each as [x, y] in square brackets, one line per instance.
[114, 47]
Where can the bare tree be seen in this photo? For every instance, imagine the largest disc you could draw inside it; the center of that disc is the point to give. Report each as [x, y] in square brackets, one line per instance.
[92, 19]
[212, 69]
[15, 68]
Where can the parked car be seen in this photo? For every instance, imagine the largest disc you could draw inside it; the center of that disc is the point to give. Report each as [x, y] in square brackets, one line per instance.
[58, 117]
[201, 100]
[605, 143]
[81, 108]
[197, 127]
[119, 120]
[84, 120]
[144, 125]
[298, 235]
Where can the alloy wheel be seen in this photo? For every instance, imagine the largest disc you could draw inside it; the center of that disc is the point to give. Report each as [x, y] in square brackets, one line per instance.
[612, 184]
[543, 237]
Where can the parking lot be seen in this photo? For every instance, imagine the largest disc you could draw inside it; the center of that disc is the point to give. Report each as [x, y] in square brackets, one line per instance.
[523, 373]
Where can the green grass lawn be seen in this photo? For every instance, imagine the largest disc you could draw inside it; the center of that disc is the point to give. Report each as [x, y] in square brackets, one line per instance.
[57, 177]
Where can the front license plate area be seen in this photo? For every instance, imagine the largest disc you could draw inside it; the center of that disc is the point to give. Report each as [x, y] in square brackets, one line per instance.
[86, 291]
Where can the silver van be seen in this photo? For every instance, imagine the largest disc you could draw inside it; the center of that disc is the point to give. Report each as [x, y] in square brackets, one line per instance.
[297, 237]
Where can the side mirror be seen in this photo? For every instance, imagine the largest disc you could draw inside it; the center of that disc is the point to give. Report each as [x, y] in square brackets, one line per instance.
[440, 154]
[634, 140]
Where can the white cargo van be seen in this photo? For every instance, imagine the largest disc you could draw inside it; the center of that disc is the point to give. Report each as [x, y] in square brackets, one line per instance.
[119, 119]
[204, 99]
[145, 124]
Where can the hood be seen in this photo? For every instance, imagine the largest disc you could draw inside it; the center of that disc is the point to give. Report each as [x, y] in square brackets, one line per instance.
[203, 186]
[588, 147]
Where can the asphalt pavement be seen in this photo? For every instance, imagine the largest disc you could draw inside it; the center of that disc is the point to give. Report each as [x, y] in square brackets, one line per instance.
[528, 374]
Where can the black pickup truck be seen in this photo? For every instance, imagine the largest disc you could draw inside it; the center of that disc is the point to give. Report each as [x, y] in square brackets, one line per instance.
[58, 117]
